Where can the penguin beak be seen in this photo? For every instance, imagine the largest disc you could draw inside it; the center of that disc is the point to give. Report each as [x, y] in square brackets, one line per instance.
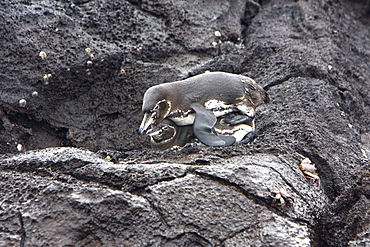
[147, 121]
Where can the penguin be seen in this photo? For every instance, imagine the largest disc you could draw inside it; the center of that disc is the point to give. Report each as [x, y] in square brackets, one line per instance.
[199, 100]
[167, 135]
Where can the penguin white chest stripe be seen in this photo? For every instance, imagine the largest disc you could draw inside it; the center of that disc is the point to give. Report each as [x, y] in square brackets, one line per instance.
[182, 118]
[218, 107]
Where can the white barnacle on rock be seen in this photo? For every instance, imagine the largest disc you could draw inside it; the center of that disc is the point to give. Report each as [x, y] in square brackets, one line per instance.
[42, 54]
[214, 43]
[35, 94]
[217, 34]
[46, 78]
[89, 63]
[22, 103]
[88, 50]
[364, 153]
[19, 147]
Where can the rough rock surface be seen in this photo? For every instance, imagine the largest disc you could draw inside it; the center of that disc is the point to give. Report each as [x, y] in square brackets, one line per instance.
[73, 72]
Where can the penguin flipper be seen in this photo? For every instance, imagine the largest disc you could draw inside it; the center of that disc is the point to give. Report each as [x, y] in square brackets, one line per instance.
[203, 124]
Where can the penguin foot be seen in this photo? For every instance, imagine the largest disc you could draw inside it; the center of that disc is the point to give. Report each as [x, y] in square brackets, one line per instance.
[248, 138]
[235, 119]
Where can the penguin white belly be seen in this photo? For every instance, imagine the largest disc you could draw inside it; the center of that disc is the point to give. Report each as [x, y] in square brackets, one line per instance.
[238, 131]
[247, 110]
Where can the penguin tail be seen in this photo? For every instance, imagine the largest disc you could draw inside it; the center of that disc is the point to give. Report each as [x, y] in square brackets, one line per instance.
[266, 98]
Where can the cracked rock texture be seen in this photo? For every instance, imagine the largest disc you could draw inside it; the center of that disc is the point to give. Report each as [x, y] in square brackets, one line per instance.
[75, 172]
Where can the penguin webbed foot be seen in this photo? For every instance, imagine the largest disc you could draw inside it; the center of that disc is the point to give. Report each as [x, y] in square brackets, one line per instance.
[248, 138]
[203, 125]
[235, 119]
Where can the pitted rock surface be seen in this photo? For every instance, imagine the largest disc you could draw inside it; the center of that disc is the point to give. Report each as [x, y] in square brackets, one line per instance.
[73, 191]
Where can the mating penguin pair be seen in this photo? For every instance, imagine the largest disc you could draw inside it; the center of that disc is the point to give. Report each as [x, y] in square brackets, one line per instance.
[167, 134]
[199, 100]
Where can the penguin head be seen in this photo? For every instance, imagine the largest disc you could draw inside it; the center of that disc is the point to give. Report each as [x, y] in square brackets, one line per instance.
[162, 133]
[155, 108]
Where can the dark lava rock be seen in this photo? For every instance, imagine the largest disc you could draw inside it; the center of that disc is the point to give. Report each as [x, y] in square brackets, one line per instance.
[72, 74]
